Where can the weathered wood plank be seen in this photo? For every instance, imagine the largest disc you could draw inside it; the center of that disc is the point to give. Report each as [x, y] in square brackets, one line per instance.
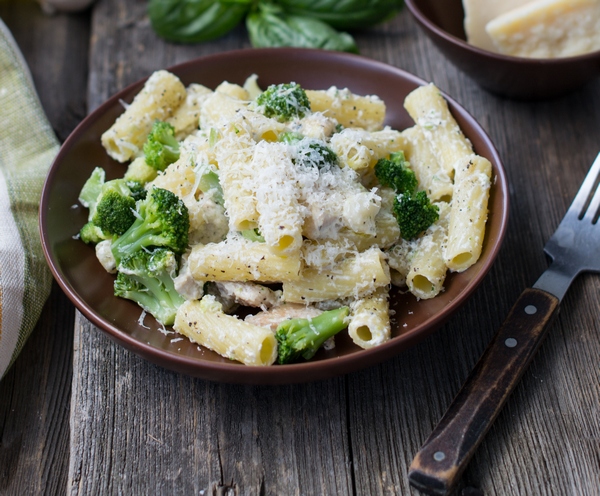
[545, 441]
[35, 394]
[203, 436]
[139, 428]
[124, 48]
[56, 50]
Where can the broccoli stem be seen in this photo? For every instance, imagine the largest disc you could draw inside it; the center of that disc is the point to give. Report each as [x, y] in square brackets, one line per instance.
[90, 191]
[303, 337]
[253, 235]
[136, 238]
[147, 278]
[154, 297]
[209, 182]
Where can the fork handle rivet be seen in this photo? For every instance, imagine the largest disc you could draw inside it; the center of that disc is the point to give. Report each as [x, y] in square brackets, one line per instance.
[510, 342]
[439, 456]
[530, 309]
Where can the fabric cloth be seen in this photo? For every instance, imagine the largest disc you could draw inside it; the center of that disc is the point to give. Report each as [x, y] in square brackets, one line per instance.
[27, 147]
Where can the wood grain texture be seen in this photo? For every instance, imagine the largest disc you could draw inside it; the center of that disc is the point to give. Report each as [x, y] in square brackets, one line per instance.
[138, 429]
[56, 51]
[440, 462]
[199, 436]
[35, 394]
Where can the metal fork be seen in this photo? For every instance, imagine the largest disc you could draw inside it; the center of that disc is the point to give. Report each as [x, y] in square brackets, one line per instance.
[574, 248]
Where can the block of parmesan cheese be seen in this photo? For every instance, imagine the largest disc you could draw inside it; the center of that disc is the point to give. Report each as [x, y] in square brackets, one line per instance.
[479, 12]
[548, 29]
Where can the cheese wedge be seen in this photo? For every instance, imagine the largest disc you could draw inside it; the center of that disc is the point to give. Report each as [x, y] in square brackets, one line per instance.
[479, 12]
[548, 29]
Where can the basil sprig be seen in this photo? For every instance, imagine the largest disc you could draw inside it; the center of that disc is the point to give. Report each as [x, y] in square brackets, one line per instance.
[344, 14]
[271, 27]
[194, 21]
[270, 23]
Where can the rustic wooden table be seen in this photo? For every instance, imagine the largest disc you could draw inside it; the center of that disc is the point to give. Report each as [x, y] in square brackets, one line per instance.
[82, 415]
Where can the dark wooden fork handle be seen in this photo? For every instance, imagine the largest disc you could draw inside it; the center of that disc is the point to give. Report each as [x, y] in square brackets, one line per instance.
[441, 461]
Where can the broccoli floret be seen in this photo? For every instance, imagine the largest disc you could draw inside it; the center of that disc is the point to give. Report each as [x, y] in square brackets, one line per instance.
[413, 210]
[284, 102]
[290, 137]
[161, 148]
[301, 338]
[91, 234]
[136, 188]
[111, 206]
[91, 188]
[394, 173]
[140, 171]
[147, 279]
[414, 213]
[310, 152]
[314, 153]
[161, 220]
[114, 211]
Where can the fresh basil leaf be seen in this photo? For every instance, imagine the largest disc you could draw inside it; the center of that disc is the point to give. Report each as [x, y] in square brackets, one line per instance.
[269, 29]
[344, 14]
[194, 21]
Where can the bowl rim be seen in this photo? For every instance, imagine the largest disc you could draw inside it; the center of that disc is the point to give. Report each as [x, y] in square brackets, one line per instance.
[434, 28]
[290, 373]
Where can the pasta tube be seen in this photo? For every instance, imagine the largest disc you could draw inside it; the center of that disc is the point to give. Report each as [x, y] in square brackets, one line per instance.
[353, 277]
[204, 322]
[162, 94]
[431, 177]
[370, 319]
[430, 111]
[238, 259]
[220, 108]
[233, 151]
[233, 90]
[186, 119]
[427, 269]
[348, 109]
[469, 213]
[280, 218]
[360, 149]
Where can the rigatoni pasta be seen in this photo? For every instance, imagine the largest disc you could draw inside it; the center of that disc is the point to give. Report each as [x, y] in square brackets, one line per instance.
[429, 109]
[471, 175]
[290, 215]
[205, 323]
[355, 276]
[370, 319]
[468, 213]
[160, 97]
[360, 149]
[239, 259]
[186, 117]
[432, 178]
[349, 109]
[427, 267]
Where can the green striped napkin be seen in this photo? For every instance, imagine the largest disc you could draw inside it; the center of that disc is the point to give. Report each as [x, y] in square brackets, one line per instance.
[27, 148]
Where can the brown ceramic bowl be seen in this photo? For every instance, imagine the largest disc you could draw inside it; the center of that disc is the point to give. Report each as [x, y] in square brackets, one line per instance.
[512, 77]
[90, 288]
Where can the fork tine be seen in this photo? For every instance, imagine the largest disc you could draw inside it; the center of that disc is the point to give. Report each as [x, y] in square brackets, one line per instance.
[581, 199]
[591, 214]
